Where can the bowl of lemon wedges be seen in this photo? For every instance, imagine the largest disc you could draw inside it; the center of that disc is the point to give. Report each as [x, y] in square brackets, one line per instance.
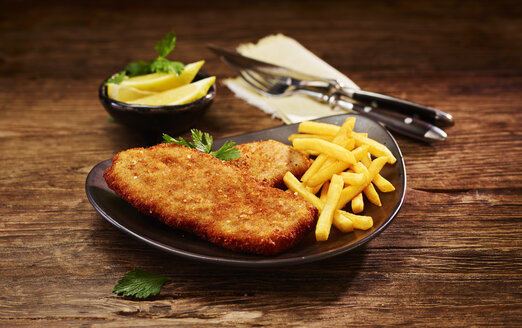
[158, 96]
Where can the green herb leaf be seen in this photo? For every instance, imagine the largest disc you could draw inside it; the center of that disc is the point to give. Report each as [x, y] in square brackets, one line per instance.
[181, 141]
[163, 65]
[227, 152]
[166, 45]
[202, 141]
[138, 68]
[169, 139]
[118, 78]
[140, 284]
[159, 65]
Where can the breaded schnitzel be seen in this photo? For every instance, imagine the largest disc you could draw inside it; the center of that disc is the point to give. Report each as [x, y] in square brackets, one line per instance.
[195, 192]
[268, 161]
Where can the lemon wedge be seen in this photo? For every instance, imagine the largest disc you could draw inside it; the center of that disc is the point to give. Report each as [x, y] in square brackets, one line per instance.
[157, 82]
[124, 93]
[178, 96]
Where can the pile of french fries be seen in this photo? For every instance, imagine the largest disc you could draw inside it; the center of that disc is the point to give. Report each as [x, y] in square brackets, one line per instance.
[347, 165]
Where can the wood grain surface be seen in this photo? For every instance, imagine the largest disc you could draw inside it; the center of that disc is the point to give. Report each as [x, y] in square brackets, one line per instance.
[451, 258]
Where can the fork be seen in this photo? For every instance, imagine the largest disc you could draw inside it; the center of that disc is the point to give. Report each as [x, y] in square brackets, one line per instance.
[323, 91]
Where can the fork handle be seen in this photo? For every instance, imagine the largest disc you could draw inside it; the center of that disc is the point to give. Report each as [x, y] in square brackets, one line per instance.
[397, 122]
[406, 107]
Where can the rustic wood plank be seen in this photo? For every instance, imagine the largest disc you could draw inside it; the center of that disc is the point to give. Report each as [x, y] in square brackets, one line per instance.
[451, 258]
[427, 264]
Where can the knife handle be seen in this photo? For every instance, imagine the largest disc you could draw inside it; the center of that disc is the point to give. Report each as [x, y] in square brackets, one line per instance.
[397, 122]
[409, 108]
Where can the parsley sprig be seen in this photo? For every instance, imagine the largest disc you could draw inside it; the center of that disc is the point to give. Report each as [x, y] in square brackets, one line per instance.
[160, 65]
[202, 141]
[140, 284]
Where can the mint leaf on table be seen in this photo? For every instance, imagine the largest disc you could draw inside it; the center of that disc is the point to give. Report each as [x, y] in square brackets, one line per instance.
[140, 284]
[202, 141]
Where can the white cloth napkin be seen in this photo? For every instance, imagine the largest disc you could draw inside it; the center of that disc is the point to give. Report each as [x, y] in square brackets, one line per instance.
[282, 50]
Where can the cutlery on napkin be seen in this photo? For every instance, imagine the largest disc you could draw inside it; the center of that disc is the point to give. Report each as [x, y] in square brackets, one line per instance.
[285, 51]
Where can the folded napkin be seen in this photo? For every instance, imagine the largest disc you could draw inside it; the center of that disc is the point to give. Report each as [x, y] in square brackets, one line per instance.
[282, 50]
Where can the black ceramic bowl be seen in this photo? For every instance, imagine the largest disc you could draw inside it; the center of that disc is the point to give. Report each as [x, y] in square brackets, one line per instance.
[158, 119]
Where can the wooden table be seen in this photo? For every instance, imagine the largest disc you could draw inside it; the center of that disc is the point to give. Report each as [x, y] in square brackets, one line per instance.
[451, 258]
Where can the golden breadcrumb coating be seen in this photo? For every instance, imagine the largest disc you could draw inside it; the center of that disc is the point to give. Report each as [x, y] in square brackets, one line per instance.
[198, 193]
[268, 161]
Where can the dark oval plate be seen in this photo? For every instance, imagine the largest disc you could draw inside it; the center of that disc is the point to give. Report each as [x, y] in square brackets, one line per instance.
[151, 231]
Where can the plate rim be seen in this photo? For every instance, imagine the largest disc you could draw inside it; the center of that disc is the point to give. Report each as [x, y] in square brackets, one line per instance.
[264, 261]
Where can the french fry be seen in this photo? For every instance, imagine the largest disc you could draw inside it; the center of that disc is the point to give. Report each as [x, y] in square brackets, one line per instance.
[293, 184]
[318, 128]
[350, 122]
[321, 160]
[326, 173]
[334, 168]
[343, 171]
[342, 222]
[350, 192]
[324, 161]
[358, 203]
[361, 222]
[383, 184]
[376, 148]
[340, 138]
[311, 153]
[379, 181]
[376, 166]
[314, 189]
[350, 145]
[343, 137]
[360, 152]
[325, 129]
[294, 136]
[324, 223]
[370, 191]
[346, 129]
[366, 160]
[325, 147]
[324, 191]
[353, 178]
[372, 195]
[314, 168]
[359, 168]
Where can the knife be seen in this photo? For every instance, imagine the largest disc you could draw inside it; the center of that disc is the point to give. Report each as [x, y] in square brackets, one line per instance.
[409, 126]
[372, 99]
